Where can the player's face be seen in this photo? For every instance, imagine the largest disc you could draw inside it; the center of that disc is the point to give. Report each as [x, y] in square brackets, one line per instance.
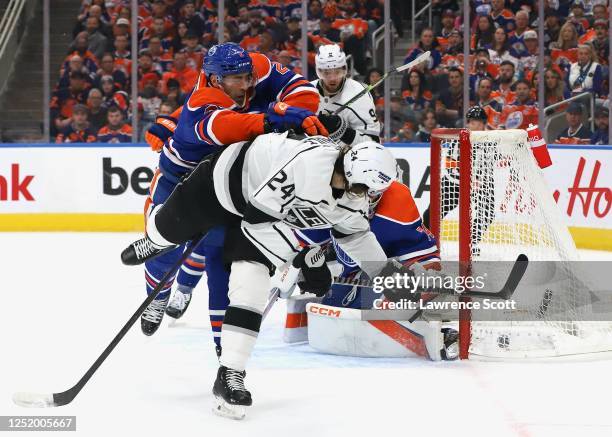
[476, 125]
[332, 78]
[236, 86]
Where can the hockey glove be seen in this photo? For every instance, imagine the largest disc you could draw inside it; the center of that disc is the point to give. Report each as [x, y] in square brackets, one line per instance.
[317, 277]
[402, 286]
[338, 128]
[282, 117]
[160, 131]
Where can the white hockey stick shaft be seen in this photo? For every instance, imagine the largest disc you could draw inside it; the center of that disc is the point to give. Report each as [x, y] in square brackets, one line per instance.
[424, 57]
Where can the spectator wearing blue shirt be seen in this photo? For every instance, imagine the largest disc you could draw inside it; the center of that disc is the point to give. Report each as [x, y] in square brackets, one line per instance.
[600, 136]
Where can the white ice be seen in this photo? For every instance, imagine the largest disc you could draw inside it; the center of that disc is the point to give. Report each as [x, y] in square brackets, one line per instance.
[65, 295]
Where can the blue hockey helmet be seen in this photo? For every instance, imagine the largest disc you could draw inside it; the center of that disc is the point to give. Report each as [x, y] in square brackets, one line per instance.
[227, 58]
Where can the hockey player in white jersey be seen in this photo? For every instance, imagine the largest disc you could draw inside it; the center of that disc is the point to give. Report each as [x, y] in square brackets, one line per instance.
[261, 191]
[358, 122]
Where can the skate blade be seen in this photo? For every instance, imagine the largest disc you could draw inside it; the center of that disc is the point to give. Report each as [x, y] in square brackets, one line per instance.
[223, 409]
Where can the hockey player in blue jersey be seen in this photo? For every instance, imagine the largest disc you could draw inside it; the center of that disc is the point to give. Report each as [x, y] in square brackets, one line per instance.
[238, 96]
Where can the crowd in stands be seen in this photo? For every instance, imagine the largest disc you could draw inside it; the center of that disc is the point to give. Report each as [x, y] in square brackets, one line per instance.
[503, 73]
[91, 99]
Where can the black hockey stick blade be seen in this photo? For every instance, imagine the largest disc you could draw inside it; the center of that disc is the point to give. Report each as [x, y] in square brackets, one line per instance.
[516, 274]
[514, 278]
[42, 400]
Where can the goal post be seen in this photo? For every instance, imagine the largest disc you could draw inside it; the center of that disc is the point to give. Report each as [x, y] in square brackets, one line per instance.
[490, 202]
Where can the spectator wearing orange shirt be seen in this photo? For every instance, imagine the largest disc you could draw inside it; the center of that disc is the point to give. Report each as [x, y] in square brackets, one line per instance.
[79, 47]
[122, 54]
[193, 50]
[555, 89]
[483, 36]
[158, 10]
[565, 50]
[601, 43]
[116, 130]
[107, 68]
[78, 131]
[522, 111]
[414, 91]
[185, 76]
[64, 99]
[157, 29]
[448, 26]
[503, 85]
[162, 59]
[353, 30]
[501, 16]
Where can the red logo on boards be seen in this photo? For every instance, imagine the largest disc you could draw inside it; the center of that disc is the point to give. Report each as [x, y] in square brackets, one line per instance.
[599, 197]
[18, 188]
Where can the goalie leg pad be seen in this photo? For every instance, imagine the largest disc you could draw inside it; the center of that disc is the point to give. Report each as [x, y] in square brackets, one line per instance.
[341, 331]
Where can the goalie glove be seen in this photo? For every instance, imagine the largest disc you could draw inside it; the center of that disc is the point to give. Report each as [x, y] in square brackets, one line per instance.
[160, 131]
[317, 277]
[402, 287]
[338, 128]
[282, 117]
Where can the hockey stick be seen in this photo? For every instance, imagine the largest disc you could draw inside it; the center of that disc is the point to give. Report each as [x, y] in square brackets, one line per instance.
[41, 400]
[423, 57]
[506, 292]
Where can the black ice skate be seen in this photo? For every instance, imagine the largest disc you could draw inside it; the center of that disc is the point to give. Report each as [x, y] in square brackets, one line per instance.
[152, 316]
[142, 250]
[451, 344]
[231, 397]
[178, 304]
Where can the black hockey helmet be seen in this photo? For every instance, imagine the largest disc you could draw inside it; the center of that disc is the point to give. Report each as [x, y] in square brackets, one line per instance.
[476, 113]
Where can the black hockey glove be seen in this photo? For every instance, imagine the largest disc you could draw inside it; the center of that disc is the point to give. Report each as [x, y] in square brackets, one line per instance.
[337, 127]
[402, 286]
[317, 277]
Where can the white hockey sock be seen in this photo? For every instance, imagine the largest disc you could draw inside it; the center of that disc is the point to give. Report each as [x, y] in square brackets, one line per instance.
[249, 287]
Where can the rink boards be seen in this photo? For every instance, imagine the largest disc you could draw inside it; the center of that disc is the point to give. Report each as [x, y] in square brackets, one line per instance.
[102, 187]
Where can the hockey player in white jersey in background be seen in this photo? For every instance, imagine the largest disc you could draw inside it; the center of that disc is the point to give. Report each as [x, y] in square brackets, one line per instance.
[358, 122]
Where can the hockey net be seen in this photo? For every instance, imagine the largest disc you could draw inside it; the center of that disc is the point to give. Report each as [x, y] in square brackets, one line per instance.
[492, 205]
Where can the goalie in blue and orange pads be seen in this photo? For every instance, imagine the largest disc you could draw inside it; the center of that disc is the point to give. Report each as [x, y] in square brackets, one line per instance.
[238, 96]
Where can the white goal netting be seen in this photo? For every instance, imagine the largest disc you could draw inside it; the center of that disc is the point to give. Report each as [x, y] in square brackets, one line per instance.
[512, 211]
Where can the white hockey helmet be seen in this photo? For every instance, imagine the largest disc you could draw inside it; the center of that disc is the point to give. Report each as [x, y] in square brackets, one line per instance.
[371, 164]
[329, 57]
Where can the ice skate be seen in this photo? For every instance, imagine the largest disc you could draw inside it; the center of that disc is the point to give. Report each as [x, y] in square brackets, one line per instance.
[178, 304]
[152, 316]
[142, 250]
[231, 397]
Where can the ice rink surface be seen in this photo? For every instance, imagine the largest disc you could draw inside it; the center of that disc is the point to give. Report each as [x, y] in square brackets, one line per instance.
[65, 295]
